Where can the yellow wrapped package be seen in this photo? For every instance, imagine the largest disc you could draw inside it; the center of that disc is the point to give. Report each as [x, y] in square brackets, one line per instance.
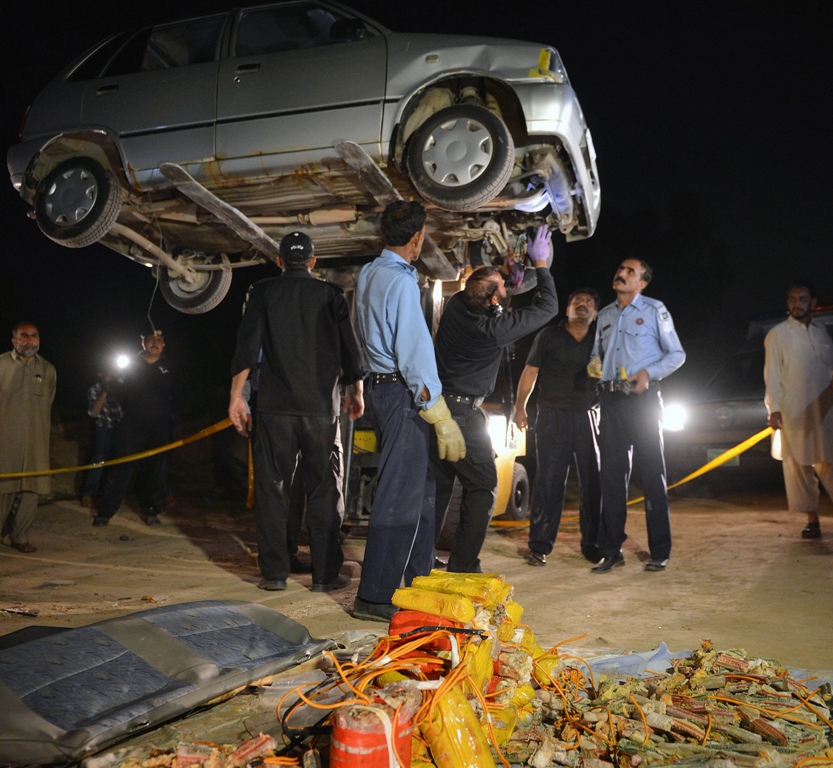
[478, 659]
[390, 677]
[503, 724]
[546, 666]
[454, 607]
[453, 733]
[488, 589]
[523, 695]
[507, 627]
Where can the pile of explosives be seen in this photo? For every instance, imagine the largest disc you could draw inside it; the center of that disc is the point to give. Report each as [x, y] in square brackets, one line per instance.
[461, 682]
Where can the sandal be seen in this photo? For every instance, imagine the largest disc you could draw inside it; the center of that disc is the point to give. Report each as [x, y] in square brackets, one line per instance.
[812, 531]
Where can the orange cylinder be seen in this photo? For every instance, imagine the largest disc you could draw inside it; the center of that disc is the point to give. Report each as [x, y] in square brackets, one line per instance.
[359, 739]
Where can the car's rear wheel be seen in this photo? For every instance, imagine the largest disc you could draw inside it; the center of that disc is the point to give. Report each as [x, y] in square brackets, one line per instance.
[209, 289]
[461, 157]
[77, 202]
[517, 506]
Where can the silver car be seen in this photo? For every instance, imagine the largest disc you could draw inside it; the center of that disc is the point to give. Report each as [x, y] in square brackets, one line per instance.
[192, 146]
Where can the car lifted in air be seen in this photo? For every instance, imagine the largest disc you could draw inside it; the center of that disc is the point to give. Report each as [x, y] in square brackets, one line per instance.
[193, 146]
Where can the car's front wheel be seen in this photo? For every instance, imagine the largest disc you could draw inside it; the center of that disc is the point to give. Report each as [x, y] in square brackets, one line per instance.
[461, 157]
[77, 202]
[202, 295]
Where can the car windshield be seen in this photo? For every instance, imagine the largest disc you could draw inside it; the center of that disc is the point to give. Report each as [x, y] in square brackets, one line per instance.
[742, 376]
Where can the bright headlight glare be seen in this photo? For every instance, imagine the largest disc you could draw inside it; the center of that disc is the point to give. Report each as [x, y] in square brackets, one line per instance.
[497, 431]
[674, 417]
[122, 361]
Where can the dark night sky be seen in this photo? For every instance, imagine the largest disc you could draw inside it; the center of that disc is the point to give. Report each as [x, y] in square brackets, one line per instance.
[714, 159]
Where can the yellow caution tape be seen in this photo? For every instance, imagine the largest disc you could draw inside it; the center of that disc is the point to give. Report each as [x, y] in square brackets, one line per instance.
[218, 427]
[716, 462]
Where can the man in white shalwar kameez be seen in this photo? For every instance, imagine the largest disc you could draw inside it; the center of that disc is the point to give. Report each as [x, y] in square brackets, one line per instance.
[798, 369]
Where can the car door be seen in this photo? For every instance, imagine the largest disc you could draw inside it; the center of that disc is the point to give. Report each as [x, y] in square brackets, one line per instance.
[159, 94]
[299, 77]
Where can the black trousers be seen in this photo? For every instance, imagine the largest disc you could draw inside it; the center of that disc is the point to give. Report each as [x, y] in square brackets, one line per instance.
[478, 478]
[400, 536]
[312, 446]
[630, 424]
[562, 437]
[134, 435]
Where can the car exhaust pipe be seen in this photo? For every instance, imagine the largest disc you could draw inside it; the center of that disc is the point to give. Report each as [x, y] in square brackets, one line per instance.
[176, 269]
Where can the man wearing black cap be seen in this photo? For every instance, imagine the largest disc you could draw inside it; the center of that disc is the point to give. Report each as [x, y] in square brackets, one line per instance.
[302, 324]
[149, 394]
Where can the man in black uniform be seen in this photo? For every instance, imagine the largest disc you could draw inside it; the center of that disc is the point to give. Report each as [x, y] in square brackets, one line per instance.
[566, 427]
[473, 332]
[303, 327]
[149, 394]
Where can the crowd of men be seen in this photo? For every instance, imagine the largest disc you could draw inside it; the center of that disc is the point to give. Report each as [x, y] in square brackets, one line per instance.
[597, 375]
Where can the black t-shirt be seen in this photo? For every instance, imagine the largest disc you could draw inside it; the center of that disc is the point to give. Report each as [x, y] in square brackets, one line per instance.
[470, 342]
[150, 391]
[303, 326]
[563, 383]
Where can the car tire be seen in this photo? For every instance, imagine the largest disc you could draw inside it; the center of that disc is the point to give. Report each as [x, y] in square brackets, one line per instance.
[77, 202]
[517, 507]
[452, 518]
[461, 157]
[202, 296]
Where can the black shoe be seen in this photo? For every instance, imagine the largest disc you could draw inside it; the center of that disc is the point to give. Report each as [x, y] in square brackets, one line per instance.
[536, 558]
[272, 585]
[812, 531]
[298, 566]
[591, 554]
[440, 563]
[342, 581]
[656, 565]
[99, 521]
[608, 563]
[362, 609]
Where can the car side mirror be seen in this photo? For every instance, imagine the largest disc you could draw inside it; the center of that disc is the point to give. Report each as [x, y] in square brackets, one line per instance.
[347, 30]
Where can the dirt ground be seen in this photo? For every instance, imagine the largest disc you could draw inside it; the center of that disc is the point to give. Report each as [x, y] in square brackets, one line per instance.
[740, 574]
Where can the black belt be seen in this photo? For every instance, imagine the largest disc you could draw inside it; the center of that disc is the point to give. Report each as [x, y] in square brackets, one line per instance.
[621, 386]
[385, 378]
[474, 402]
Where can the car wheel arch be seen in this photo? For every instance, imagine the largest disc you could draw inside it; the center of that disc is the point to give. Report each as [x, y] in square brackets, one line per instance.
[439, 94]
[97, 145]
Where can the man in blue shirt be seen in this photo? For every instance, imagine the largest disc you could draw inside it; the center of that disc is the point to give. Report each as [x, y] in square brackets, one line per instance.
[403, 384]
[638, 346]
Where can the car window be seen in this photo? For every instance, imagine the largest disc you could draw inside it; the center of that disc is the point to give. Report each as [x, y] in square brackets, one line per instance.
[286, 28]
[177, 45]
[91, 67]
[170, 45]
[742, 375]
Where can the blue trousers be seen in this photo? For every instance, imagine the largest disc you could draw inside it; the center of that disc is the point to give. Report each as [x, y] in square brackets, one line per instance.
[630, 425]
[561, 437]
[400, 537]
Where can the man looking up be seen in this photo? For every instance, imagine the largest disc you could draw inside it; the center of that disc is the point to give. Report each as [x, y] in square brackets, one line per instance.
[27, 389]
[403, 385]
[797, 369]
[149, 396]
[638, 346]
[473, 332]
[302, 324]
[566, 429]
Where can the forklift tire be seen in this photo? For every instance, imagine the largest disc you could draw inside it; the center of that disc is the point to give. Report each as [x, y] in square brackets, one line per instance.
[517, 507]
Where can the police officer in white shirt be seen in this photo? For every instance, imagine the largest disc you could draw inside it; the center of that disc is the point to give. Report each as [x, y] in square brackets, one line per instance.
[638, 346]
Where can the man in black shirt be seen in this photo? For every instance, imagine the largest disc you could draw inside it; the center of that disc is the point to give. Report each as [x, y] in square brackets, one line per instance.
[149, 395]
[566, 427]
[303, 327]
[473, 332]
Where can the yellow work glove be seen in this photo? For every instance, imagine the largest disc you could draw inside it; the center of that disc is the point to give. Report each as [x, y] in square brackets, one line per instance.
[450, 442]
[594, 368]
